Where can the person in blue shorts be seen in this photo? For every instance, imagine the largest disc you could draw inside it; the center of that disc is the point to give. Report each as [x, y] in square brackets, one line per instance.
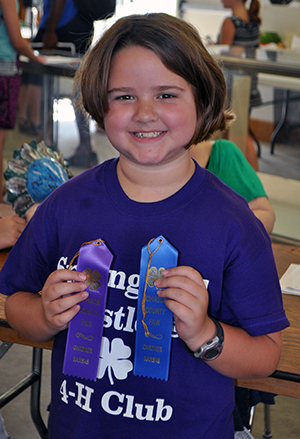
[60, 23]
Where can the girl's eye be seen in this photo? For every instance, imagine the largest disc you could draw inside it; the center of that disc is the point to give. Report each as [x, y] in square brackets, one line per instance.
[166, 96]
[124, 98]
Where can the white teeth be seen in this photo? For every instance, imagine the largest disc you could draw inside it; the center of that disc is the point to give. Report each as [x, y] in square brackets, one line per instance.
[148, 135]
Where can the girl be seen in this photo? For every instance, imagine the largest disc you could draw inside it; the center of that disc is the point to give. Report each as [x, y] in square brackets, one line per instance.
[151, 84]
[11, 43]
[242, 29]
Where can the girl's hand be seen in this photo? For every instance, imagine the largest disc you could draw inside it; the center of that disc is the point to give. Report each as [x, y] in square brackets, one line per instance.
[62, 292]
[187, 297]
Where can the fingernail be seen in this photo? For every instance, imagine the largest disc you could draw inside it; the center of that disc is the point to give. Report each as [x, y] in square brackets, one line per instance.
[82, 276]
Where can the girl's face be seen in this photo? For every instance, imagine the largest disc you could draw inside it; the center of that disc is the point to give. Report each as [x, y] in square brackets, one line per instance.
[152, 112]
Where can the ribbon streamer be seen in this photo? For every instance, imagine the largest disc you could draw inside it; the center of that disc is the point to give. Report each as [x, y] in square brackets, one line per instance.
[86, 328]
[154, 319]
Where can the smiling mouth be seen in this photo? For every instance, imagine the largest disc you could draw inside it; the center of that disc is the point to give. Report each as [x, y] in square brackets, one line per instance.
[148, 135]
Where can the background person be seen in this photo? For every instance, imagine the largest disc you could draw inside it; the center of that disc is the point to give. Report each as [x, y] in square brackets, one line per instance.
[224, 159]
[11, 44]
[242, 29]
[11, 228]
[60, 23]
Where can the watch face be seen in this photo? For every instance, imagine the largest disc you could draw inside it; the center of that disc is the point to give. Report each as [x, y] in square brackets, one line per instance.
[212, 353]
[212, 348]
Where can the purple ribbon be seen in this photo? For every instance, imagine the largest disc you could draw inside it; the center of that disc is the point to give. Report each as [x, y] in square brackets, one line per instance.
[86, 328]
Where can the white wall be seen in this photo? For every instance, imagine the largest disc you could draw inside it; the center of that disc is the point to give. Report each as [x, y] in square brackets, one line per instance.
[207, 21]
[283, 194]
[213, 3]
[282, 19]
[128, 7]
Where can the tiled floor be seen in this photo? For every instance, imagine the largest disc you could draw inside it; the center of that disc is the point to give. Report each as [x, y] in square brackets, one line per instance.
[285, 164]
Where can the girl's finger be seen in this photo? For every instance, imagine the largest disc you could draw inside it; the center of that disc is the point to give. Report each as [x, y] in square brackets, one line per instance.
[65, 275]
[184, 271]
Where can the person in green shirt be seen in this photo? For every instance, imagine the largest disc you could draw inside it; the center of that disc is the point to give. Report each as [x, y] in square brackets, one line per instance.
[224, 159]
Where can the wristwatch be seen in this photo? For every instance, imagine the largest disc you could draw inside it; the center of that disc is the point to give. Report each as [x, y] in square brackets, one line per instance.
[212, 348]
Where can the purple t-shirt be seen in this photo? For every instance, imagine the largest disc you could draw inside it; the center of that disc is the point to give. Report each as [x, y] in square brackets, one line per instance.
[216, 233]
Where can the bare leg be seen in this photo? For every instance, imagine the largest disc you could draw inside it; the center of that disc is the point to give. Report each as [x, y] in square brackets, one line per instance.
[85, 147]
[23, 108]
[251, 153]
[35, 93]
[2, 142]
[30, 109]
[84, 156]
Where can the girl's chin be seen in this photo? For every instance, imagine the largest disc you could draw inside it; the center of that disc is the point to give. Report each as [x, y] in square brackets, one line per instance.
[150, 159]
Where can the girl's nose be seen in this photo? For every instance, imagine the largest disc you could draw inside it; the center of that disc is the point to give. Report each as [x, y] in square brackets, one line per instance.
[145, 112]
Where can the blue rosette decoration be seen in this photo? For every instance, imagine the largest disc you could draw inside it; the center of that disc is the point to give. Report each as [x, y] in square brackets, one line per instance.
[33, 173]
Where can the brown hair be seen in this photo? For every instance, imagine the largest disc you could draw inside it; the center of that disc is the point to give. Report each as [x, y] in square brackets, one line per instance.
[180, 49]
[254, 10]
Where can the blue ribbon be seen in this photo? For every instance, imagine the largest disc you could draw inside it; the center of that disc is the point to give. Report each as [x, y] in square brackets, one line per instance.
[154, 319]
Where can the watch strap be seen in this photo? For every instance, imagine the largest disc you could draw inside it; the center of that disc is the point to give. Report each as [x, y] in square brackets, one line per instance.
[212, 348]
